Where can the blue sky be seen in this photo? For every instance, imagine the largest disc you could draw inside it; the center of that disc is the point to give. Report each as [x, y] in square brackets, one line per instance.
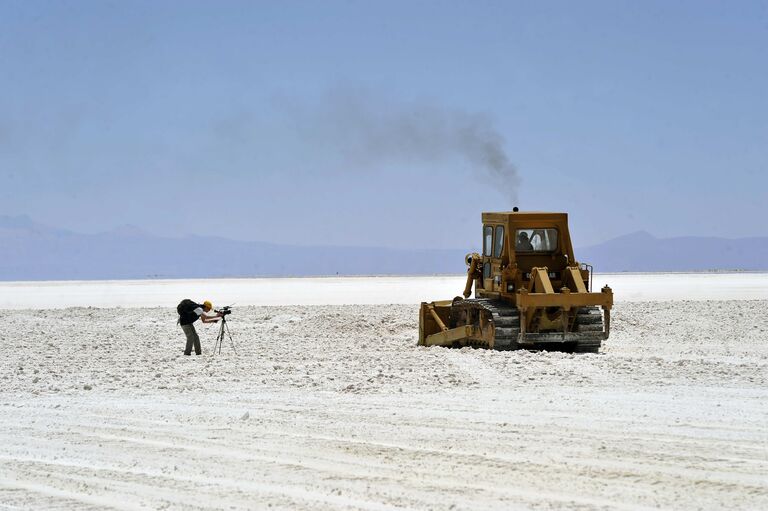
[338, 122]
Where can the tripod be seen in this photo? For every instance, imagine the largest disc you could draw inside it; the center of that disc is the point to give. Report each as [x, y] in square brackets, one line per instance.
[224, 328]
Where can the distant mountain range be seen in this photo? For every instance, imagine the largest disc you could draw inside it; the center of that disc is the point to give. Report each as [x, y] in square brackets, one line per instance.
[32, 251]
[643, 252]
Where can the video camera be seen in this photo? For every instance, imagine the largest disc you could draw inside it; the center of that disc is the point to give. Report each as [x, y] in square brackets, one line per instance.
[224, 310]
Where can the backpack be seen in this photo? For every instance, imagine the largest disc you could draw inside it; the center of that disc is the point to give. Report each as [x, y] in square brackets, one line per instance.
[185, 306]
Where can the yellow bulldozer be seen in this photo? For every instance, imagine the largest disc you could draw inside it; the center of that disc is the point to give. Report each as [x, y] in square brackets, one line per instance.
[530, 292]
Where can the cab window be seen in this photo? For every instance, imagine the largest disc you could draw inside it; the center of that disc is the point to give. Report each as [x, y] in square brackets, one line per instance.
[498, 245]
[536, 240]
[487, 240]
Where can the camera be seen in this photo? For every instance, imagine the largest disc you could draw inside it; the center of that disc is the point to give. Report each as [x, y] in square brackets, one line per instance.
[224, 310]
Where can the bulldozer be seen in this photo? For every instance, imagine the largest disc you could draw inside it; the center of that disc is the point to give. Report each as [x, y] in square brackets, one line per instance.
[530, 292]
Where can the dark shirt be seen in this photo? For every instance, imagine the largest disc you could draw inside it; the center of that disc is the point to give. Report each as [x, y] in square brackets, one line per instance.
[189, 314]
[524, 244]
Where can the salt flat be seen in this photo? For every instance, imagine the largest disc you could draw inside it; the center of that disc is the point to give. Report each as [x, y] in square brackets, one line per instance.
[333, 406]
[354, 290]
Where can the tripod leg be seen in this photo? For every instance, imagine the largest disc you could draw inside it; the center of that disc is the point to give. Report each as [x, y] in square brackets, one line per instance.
[221, 335]
[231, 340]
[219, 338]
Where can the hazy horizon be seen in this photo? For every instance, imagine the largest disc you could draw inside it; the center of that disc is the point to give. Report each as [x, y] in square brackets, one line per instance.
[130, 229]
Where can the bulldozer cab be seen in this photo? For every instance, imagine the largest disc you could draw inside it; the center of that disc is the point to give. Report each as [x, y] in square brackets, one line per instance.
[518, 242]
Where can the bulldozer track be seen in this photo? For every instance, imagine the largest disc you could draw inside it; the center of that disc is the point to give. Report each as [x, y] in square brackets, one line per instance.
[504, 318]
[589, 319]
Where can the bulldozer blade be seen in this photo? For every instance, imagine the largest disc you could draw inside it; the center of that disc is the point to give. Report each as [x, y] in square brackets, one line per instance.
[450, 337]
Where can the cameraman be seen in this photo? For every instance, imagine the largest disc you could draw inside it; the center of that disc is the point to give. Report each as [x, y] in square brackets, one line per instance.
[189, 311]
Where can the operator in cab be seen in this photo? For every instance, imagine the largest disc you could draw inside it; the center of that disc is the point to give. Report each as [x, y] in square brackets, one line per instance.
[523, 243]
